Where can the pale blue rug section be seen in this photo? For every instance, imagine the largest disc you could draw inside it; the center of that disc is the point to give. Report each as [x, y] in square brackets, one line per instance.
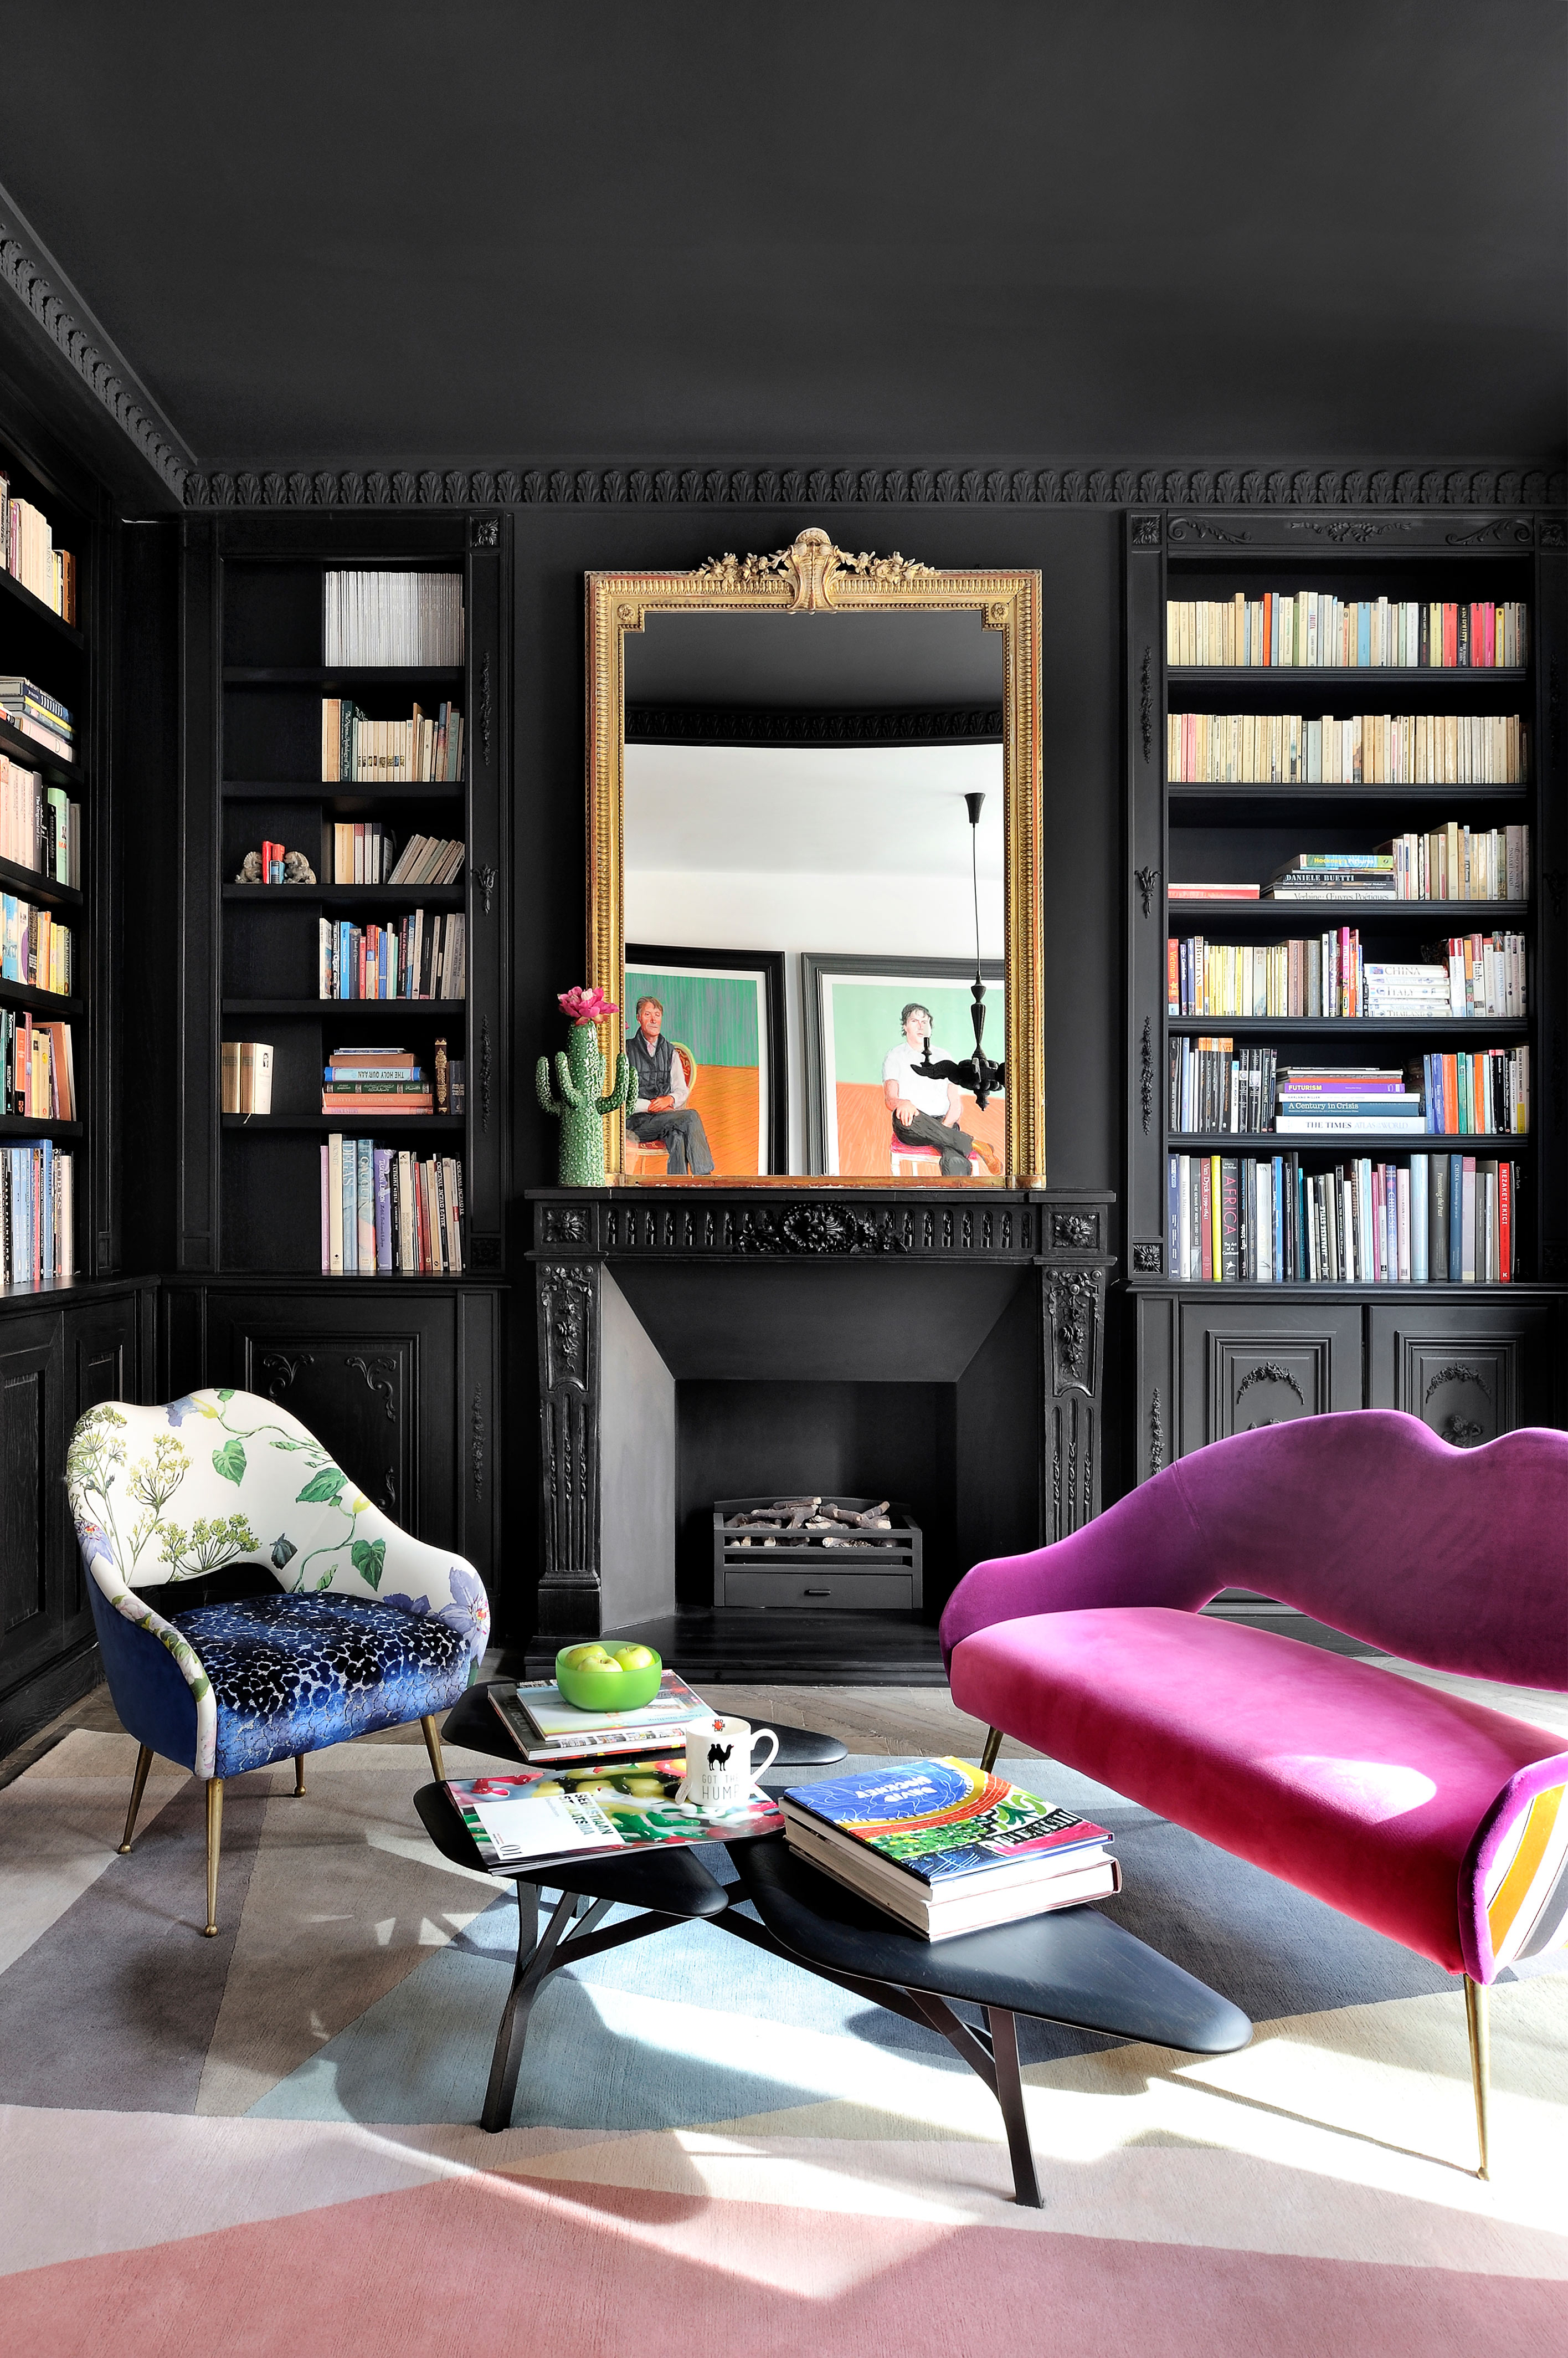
[647, 2036]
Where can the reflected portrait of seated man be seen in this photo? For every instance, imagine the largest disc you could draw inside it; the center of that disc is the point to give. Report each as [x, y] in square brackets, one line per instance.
[659, 1115]
[925, 1111]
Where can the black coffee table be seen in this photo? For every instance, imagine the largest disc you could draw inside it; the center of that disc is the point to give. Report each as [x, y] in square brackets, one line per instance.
[1073, 1966]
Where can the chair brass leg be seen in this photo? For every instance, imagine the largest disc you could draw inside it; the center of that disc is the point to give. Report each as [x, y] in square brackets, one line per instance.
[433, 1746]
[1480, 2060]
[993, 1747]
[214, 1845]
[139, 1787]
[298, 1775]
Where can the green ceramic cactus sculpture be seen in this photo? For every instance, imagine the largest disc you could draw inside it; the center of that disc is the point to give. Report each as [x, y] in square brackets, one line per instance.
[579, 1071]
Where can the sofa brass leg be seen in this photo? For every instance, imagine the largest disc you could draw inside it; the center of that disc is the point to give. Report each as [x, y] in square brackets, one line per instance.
[139, 1787]
[433, 1746]
[993, 1747]
[214, 1845]
[298, 1775]
[1480, 2060]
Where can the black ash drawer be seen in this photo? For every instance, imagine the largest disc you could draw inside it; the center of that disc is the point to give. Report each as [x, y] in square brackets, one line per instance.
[854, 1592]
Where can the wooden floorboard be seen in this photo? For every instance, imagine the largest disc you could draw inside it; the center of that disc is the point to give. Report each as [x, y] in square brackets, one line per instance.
[792, 1649]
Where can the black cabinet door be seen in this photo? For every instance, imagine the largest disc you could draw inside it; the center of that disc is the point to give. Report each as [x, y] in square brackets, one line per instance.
[1252, 1363]
[374, 1380]
[102, 1362]
[1470, 1370]
[34, 1427]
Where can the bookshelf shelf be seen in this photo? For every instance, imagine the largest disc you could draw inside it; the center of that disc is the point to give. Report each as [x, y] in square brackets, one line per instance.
[1213, 1359]
[1385, 1141]
[15, 1125]
[10, 588]
[1355, 1027]
[446, 1011]
[1470, 916]
[325, 675]
[1316, 676]
[44, 1002]
[386, 1126]
[353, 896]
[28, 884]
[342, 794]
[27, 749]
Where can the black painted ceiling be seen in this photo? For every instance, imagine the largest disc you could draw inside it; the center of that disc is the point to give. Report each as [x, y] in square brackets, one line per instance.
[482, 231]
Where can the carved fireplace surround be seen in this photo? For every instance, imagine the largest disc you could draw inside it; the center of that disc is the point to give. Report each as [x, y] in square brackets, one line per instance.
[666, 1316]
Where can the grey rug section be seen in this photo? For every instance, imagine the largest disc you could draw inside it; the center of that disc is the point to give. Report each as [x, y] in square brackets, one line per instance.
[113, 2008]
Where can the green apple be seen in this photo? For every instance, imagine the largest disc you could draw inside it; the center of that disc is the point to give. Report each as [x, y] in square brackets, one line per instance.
[635, 1658]
[589, 1657]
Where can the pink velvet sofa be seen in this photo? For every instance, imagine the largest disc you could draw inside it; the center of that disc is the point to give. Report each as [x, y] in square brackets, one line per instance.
[1439, 1822]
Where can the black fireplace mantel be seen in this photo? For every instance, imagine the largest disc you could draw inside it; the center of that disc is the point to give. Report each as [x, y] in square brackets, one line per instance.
[637, 1288]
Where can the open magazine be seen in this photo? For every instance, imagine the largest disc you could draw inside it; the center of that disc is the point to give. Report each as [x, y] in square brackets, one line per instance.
[545, 1813]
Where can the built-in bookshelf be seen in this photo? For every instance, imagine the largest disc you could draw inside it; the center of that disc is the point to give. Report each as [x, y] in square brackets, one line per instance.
[55, 1223]
[309, 753]
[1357, 691]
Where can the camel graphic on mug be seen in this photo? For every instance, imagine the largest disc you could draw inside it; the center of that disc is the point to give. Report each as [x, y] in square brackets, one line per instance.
[718, 1755]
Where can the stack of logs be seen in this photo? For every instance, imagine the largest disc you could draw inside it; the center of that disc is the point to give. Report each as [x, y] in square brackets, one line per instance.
[822, 1519]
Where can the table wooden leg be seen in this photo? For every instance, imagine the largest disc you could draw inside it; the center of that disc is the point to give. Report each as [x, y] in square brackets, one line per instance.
[1010, 2096]
[533, 1961]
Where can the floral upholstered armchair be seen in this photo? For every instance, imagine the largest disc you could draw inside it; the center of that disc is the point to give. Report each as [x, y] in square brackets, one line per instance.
[356, 1626]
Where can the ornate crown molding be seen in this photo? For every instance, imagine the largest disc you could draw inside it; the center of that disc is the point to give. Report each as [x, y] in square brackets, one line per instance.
[1518, 484]
[39, 284]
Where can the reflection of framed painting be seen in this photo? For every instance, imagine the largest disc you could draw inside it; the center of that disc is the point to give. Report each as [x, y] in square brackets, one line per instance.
[725, 1008]
[853, 1010]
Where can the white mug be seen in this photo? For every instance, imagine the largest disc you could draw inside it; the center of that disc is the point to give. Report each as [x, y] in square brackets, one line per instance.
[720, 1771]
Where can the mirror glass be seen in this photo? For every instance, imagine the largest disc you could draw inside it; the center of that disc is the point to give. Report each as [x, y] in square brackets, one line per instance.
[805, 895]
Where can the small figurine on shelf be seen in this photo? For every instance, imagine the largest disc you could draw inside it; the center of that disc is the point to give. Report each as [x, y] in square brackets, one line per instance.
[443, 1104]
[579, 1071]
[274, 865]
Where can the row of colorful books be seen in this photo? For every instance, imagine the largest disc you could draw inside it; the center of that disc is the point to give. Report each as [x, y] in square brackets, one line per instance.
[373, 617]
[1215, 1089]
[29, 556]
[1453, 863]
[37, 1210]
[1313, 630]
[385, 1213]
[1464, 976]
[383, 1081]
[31, 709]
[424, 750]
[421, 956]
[39, 1067]
[941, 1846]
[35, 948]
[39, 825]
[1369, 749]
[1438, 1219]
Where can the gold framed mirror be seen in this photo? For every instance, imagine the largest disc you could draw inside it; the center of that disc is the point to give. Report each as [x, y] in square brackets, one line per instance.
[814, 862]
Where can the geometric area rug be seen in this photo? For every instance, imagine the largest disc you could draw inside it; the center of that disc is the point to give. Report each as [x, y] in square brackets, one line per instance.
[267, 2142]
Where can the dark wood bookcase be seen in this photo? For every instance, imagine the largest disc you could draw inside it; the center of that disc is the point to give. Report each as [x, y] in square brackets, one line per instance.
[66, 1345]
[1213, 1359]
[387, 1369]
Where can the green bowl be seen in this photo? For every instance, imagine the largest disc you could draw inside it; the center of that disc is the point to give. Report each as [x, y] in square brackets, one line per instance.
[609, 1690]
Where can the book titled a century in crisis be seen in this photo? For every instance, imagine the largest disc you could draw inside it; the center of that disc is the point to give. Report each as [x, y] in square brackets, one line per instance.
[946, 1847]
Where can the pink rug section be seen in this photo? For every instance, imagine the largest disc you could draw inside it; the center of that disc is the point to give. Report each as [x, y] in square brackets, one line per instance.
[588, 2272]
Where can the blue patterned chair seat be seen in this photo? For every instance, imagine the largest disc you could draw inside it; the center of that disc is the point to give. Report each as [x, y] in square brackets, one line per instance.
[292, 1673]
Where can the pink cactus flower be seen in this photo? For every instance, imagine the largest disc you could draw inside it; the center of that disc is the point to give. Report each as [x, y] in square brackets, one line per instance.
[587, 1006]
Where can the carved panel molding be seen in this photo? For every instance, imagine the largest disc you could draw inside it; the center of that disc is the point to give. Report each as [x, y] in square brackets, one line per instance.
[894, 485]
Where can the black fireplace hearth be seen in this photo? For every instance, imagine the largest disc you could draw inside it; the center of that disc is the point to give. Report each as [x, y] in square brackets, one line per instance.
[940, 1349]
